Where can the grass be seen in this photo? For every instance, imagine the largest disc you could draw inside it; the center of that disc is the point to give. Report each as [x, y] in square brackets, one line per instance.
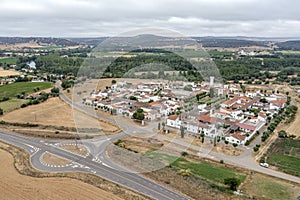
[285, 155]
[210, 172]
[11, 104]
[11, 90]
[268, 188]
[10, 61]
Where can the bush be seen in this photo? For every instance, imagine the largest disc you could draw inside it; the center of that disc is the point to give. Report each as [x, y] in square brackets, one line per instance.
[235, 144]
[232, 182]
[184, 153]
[222, 161]
[255, 149]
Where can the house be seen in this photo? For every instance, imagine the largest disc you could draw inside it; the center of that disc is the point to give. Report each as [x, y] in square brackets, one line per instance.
[174, 121]
[236, 138]
[245, 127]
[277, 104]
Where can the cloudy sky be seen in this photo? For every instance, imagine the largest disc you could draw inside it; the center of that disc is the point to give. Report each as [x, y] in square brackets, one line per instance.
[80, 18]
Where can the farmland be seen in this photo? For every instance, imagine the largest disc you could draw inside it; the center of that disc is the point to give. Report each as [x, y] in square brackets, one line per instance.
[210, 172]
[11, 90]
[285, 155]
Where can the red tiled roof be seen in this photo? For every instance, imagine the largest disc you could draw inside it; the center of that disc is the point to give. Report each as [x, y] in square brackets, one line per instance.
[173, 117]
[246, 126]
[238, 136]
[207, 119]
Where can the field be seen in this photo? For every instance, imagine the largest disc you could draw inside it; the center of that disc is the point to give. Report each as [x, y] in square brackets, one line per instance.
[11, 90]
[210, 172]
[10, 61]
[11, 104]
[16, 186]
[5, 73]
[264, 187]
[285, 155]
[55, 112]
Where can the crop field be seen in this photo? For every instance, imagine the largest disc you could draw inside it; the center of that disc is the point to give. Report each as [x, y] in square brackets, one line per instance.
[285, 155]
[10, 61]
[11, 90]
[210, 172]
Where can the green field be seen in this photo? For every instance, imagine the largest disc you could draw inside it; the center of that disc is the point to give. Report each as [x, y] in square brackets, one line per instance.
[11, 90]
[12, 104]
[10, 61]
[210, 172]
[285, 155]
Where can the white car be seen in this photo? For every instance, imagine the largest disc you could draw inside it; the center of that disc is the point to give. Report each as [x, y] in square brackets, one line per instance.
[266, 165]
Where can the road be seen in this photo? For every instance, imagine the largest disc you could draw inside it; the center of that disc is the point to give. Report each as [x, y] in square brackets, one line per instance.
[36, 148]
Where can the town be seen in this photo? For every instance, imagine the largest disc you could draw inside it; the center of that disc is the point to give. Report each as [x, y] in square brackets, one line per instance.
[217, 111]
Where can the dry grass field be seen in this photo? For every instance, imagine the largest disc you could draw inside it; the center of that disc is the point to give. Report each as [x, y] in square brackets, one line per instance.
[259, 186]
[55, 112]
[19, 187]
[5, 73]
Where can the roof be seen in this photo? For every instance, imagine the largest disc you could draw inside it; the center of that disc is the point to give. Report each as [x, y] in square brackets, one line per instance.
[207, 119]
[173, 117]
[238, 136]
[246, 126]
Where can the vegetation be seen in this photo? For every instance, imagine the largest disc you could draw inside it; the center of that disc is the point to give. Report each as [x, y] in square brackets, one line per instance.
[232, 182]
[285, 155]
[12, 90]
[210, 172]
[139, 114]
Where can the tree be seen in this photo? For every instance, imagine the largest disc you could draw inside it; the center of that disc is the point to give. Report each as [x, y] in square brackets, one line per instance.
[133, 98]
[139, 115]
[211, 93]
[282, 134]
[55, 90]
[158, 127]
[181, 131]
[163, 125]
[232, 182]
[235, 144]
[113, 82]
[1, 111]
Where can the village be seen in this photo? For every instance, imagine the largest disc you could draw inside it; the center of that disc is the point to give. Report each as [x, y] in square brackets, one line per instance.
[228, 112]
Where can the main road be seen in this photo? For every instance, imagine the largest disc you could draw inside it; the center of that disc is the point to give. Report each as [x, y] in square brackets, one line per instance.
[36, 148]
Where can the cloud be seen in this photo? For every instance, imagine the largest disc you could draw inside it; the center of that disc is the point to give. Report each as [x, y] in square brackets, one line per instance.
[110, 17]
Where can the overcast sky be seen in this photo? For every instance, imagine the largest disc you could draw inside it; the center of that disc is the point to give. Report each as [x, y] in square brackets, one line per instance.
[83, 18]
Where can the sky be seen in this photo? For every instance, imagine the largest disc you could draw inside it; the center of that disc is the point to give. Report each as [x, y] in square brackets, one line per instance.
[95, 18]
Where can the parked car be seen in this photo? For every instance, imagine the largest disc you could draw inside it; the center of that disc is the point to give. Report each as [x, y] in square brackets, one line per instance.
[266, 165]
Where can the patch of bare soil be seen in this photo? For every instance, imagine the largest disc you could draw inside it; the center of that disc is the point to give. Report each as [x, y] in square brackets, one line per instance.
[227, 150]
[51, 159]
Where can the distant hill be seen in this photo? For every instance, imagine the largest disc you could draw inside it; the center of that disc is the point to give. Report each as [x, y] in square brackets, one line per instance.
[289, 45]
[229, 43]
[44, 41]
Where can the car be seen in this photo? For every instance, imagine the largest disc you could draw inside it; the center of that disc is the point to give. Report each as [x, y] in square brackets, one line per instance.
[266, 165]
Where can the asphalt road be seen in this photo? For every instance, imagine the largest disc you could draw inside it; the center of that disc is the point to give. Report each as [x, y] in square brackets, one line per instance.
[133, 181]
